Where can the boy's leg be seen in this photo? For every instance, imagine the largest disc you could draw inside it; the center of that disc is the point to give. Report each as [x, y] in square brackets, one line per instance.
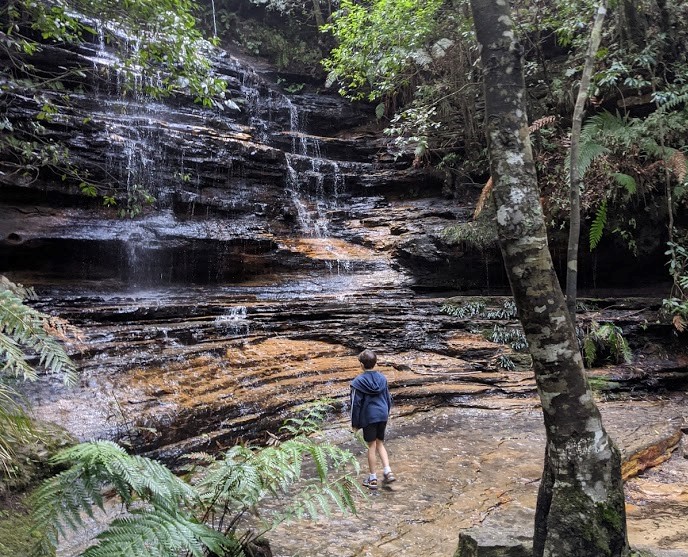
[380, 445]
[372, 460]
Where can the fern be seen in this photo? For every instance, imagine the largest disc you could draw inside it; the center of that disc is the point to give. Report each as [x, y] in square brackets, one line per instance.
[626, 181]
[589, 350]
[606, 339]
[63, 499]
[598, 224]
[15, 427]
[670, 101]
[28, 339]
[160, 532]
[164, 510]
[589, 151]
[24, 330]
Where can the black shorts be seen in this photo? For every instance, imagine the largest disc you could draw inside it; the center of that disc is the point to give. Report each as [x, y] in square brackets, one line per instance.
[374, 431]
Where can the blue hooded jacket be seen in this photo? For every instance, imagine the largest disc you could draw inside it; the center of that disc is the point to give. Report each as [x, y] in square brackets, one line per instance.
[370, 399]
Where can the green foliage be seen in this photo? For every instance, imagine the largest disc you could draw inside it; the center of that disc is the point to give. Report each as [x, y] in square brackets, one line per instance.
[597, 226]
[514, 337]
[676, 306]
[605, 342]
[478, 308]
[411, 129]
[29, 339]
[198, 515]
[505, 362]
[627, 182]
[379, 46]
[480, 233]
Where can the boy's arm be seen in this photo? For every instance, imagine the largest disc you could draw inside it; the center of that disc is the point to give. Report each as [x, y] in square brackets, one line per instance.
[355, 408]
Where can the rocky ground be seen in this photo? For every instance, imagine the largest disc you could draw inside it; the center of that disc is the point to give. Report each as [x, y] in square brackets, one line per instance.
[476, 471]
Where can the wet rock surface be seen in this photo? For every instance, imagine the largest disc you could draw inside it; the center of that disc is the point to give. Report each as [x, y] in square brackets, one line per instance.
[476, 472]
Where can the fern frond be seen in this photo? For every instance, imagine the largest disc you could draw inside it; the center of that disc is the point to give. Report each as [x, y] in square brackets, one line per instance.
[598, 224]
[14, 359]
[15, 426]
[318, 455]
[541, 123]
[589, 151]
[605, 123]
[589, 351]
[106, 463]
[319, 499]
[625, 181]
[309, 417]
[673, 100]
[63, 499]
[678, 165]
[159, 532]
[25, 329]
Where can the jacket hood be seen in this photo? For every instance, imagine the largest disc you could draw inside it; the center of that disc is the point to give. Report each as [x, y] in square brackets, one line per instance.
[370, 383]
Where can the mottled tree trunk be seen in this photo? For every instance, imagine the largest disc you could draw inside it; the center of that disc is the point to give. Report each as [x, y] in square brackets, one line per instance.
[580, 509]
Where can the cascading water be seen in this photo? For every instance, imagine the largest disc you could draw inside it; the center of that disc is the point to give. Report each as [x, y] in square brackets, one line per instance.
[201, 304]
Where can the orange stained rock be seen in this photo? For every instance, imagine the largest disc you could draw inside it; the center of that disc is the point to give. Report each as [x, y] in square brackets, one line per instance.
[329, 249]
[462, 340]
[652, 455]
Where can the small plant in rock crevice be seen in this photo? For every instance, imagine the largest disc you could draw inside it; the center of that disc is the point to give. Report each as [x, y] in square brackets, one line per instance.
[479, 309]
[605, 342]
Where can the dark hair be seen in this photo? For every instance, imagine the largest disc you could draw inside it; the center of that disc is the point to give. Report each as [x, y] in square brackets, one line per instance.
[368, 359]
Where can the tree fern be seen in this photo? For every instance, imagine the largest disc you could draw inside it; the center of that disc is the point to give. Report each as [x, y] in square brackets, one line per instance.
[63, 499]
[598, 224]
[160, 532]
[627, 182]
[169, 516]
[28, 338]
[24, 332]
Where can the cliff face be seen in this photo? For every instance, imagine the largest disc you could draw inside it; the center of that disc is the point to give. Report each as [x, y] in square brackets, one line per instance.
[233, 188]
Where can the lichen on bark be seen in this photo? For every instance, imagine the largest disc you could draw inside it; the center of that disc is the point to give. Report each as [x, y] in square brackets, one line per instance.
[580, 508]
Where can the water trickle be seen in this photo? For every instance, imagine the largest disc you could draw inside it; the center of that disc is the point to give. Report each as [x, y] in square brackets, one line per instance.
[235, 320]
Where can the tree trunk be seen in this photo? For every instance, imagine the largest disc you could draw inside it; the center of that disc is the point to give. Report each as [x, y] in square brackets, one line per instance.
[580, 510]
[317, 12]
[632, 26]
[575, 177]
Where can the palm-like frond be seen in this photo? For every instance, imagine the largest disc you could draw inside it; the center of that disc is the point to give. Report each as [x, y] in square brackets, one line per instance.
[28, 338]
[25, 330]
[159, 532]
[63, 499]
[15, 426]
[314, 501]
[598, 224]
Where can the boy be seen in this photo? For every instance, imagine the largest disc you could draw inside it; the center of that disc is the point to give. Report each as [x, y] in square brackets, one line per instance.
[370, 406]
